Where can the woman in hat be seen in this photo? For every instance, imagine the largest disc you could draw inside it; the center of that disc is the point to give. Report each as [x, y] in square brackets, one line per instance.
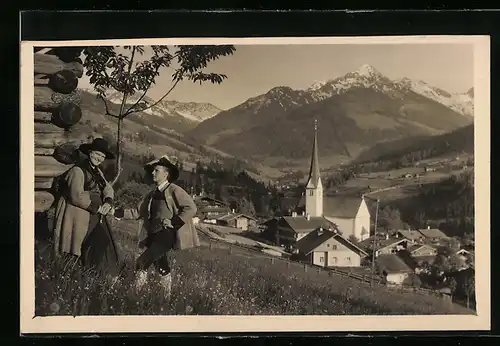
[167, 213]
[81, 229]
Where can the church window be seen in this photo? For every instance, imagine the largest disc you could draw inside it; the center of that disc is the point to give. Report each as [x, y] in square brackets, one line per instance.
[311, 193]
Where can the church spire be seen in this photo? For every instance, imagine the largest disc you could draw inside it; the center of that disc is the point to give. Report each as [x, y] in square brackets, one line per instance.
[314, 175]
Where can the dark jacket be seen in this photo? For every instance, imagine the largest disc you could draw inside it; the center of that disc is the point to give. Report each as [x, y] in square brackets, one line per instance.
[183, 208]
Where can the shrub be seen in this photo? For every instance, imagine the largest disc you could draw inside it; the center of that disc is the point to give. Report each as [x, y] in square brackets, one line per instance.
[131, 194]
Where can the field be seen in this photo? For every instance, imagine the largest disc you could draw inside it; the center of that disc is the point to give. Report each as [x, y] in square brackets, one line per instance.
[393, 185]
[217, 279]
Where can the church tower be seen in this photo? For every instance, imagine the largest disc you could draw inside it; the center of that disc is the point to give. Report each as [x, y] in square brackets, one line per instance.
[314, 187]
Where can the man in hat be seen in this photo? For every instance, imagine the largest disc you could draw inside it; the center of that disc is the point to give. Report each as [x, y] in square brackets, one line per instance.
[167, 213]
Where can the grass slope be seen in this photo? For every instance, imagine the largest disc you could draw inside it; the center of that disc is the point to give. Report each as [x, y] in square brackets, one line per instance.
[457, 141]
[218, 282]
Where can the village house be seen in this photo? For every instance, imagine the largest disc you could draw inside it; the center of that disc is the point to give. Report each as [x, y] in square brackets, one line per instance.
[433, 235]
[384, 246]
[422, 250]
[241, 221]
[412, 235]
[327, 248]
[393, 269]
[419, 257]
[350, 214]
[290, 229]
[211, 208]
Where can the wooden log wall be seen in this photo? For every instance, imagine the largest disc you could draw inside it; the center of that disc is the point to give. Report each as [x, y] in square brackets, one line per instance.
[57, 110]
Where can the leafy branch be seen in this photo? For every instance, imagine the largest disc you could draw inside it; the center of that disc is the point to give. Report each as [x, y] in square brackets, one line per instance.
[121, 72]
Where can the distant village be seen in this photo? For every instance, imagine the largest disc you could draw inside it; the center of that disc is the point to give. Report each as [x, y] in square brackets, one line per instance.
[335, 232]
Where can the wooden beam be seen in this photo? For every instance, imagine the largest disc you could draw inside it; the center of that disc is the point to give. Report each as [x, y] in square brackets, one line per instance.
[47, 166]
[50, 140]
[43, 183]
[63, 82]
[67, 115]
[48, 100]
[48, 128]
[43, 201]
[50, 64]
[67, 54]
[44, 151]
[43, 117]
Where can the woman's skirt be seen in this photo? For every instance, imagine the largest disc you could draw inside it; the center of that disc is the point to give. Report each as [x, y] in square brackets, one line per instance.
[99, 250]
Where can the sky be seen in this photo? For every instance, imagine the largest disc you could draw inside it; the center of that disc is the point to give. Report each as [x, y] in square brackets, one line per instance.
[255, 69]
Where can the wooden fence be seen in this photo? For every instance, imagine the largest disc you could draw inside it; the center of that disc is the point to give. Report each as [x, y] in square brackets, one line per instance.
[363, 278]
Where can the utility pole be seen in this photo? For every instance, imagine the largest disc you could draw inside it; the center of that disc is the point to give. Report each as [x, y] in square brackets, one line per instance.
[374, 237]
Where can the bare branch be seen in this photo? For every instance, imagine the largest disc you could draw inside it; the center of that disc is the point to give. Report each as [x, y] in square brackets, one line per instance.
[129, 110]
[106, 106]
[119, 171]
[154, 104]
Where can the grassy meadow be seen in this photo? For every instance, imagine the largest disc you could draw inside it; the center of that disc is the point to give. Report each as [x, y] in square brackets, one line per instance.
[218, 281]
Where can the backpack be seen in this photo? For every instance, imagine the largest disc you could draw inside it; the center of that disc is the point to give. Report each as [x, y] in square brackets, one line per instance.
[67, 153]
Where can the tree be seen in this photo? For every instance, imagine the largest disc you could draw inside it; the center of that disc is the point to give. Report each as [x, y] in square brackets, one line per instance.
[469, 288]
[245, 206]
[452, 284]
[390, 218]
[126, 73]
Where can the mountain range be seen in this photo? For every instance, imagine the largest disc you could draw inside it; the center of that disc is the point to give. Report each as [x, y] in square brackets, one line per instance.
[354, 112]
[361, 110]
[173, 115]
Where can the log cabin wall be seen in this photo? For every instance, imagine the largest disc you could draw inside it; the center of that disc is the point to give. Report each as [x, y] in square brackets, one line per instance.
[57, 109]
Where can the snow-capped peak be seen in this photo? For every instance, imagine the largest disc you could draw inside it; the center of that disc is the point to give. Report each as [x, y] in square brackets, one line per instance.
[366, 70]
[317, 85]
[462, 103]
[192, 111]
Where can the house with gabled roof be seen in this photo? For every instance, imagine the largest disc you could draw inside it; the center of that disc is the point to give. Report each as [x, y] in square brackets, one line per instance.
[350, 214]
[434, 235]
[413, 235]
[385, 245]
[393, 269]
[237, 220]
[422, 250]
[211, 208]
[291, 229]
[327, 248]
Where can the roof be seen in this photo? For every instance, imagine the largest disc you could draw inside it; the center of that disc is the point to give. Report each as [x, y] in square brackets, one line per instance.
[205, 209]
[380, 243]
[392, 264]
[301, 223]
[415, 247]
[410, 234]
[229, 217]
[206, 198]
[314, 174]
[315, 238]
[337, 206]
[432, 233]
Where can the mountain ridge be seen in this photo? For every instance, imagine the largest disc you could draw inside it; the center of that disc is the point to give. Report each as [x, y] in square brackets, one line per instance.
[359, 109]
[191, 111]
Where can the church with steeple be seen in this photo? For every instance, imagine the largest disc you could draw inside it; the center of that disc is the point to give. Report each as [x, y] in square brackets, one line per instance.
[314, 186]
[323, 230]
[349, 213]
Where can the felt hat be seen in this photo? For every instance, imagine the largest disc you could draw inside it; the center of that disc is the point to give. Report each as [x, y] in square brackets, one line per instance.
[165, 162]
[98, 144]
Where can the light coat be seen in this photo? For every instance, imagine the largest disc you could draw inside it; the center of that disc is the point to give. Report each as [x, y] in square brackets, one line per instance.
[71, 219]
[183, 208]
